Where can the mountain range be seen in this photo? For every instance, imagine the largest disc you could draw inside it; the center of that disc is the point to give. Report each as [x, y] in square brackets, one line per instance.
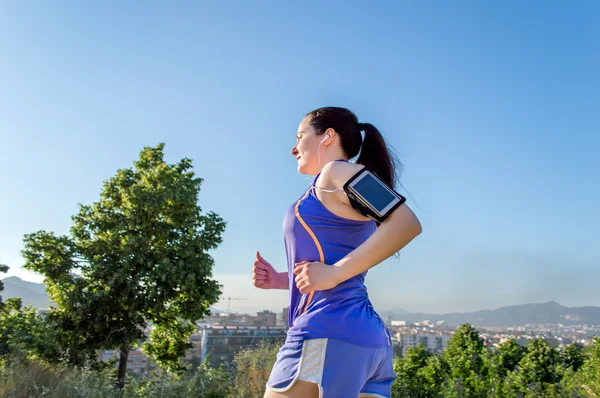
[34, 294]
[514, 315]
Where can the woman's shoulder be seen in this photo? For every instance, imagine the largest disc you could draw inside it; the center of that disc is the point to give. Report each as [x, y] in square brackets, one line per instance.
[338, 172]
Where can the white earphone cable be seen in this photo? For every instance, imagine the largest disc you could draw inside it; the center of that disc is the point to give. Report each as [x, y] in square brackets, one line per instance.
[308, 178]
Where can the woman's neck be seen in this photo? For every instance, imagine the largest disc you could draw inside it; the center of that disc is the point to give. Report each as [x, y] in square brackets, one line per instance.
[328, 157]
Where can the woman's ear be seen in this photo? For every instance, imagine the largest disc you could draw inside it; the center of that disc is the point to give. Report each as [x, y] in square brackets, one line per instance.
[329, 135]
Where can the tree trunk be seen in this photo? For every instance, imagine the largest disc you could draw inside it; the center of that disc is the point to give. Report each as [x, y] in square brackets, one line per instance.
[123, 366]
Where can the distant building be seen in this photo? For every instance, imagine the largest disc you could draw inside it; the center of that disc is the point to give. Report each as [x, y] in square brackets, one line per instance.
[398, 323]
[433, 342]
[227, 319]
[522, 341]
[221, 343]
[284, 316]
[137, 362]
[193, 354]
[266, 318]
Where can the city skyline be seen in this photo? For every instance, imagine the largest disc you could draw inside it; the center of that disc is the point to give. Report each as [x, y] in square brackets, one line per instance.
[31, 294]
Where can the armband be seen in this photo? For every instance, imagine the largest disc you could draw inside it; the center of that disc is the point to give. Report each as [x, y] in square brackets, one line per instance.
[372, 197]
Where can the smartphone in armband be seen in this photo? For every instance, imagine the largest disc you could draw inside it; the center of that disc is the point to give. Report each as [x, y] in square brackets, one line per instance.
[370, 196]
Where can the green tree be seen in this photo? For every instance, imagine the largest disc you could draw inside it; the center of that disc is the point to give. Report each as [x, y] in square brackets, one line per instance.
[499, 363]
[409, 369]
[16, 334]
[3, 270]
[168, 342]
[539, 372]
[25, 334]
[138, 256]
[572, 357]
[511, 354]
[586, 382]
[435, 375]
[468, 372]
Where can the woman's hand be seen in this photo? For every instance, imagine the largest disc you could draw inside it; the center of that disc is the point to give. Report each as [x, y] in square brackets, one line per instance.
[311, 276]
[264, 275]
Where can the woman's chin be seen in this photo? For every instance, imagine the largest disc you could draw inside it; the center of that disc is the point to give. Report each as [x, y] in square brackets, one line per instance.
[302, 169]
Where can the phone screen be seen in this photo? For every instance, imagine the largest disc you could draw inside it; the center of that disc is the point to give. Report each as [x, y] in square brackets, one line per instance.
[374, 193]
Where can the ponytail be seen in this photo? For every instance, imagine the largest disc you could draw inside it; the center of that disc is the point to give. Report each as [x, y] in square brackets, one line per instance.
[373, 153]
[376, 156]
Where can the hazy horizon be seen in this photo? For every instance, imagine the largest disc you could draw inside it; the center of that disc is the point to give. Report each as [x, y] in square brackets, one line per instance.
[275, 296]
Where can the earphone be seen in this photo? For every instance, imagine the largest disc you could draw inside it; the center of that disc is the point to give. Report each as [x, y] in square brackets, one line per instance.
[324, 138]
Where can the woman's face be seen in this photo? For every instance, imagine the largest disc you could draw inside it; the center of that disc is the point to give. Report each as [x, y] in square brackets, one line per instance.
[306, 149]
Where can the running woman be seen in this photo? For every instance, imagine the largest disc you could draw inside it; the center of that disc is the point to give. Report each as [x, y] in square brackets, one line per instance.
[337, 345]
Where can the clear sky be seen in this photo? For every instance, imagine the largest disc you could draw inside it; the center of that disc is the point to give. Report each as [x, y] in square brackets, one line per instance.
[493, 107]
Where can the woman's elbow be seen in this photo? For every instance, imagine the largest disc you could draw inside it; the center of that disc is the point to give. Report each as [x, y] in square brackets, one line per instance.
[418, 228]
[408, 221]
[415, 226]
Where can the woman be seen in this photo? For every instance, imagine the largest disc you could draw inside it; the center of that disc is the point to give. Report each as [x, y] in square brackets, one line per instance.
[336, 346]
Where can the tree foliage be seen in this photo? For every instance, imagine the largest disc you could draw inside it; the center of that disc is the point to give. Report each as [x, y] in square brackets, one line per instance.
[586, 381]
[411, 379]
[167, 344]
[511, 354]
[137, 256]
[3, 270]
[468, 368]
[468, 371]
[538, 372]
[572, 357]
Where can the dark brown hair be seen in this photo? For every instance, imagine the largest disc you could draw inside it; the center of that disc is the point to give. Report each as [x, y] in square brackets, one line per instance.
[375, 154]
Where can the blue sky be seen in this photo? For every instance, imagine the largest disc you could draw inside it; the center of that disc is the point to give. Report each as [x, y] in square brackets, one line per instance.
[491, 106]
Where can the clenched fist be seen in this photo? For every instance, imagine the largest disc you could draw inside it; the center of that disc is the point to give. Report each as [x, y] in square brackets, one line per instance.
[264, 275]
[311, 276]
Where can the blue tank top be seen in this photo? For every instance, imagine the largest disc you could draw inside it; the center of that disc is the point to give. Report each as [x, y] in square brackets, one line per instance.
[313, 233]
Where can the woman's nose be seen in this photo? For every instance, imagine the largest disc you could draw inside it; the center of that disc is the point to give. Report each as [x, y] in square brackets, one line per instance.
[294, 151]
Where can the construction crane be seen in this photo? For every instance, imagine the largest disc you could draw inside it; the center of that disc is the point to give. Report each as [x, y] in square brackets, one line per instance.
[229, 301]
